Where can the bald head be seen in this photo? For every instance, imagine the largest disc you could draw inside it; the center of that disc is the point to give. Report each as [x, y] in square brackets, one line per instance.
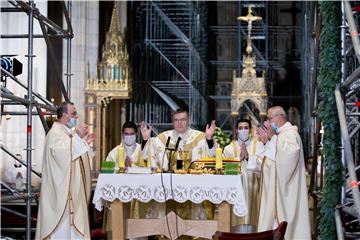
[276, 115]
[278, 111]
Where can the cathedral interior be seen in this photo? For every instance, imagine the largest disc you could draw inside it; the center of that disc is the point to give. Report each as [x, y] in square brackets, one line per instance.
[221, 60]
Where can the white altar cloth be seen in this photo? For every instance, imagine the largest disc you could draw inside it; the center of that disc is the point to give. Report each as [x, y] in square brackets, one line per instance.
[196, 188]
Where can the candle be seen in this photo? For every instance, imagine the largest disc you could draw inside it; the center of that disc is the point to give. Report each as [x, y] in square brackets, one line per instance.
[121, 161]
[218, 158]
[148, 164]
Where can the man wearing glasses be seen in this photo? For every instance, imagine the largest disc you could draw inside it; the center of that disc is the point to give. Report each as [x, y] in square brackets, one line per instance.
[283, 185]
[195, 143]
[66, 181]
[198, 144]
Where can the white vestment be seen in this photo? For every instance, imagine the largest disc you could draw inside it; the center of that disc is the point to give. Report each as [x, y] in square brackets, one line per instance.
[192, 141]
[283, 184]
[133, 152]
[250, 179]
[65, 187]
[195, 143]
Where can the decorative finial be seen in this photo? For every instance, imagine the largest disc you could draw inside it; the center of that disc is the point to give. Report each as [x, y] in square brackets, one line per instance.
[114, 24]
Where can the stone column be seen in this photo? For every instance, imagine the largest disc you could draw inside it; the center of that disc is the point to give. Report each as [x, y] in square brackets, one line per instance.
[84, 49]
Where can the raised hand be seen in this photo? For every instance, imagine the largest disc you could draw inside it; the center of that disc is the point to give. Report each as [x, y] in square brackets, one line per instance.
[127, 162]
[145, 131]
[90, 138]
[269, 130]
[244, 153]
[261, 133]
[210, 130]
[82, 130]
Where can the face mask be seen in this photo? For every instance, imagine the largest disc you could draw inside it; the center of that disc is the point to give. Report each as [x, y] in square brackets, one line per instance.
[72, 123]
[274, 127]
[243, 135]
[129, 139]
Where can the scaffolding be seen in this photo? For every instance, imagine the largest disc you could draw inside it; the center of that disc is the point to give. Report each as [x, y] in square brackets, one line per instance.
[230, 33]
[173, 37]
[347, 213]
[32, 99]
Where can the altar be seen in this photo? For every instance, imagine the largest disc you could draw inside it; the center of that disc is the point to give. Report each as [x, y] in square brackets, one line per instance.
[121, 189]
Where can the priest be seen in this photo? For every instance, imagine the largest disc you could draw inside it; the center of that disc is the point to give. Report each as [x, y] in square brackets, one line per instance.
[131, 150]
[195, 144]
[283, 183]
[128, 151]
[244, 150]
[66, 181]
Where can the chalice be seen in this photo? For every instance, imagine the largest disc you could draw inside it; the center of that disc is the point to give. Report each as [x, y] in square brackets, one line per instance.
[185, 158]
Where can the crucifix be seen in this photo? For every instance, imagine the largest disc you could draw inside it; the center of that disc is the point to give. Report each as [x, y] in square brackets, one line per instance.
[249, 18]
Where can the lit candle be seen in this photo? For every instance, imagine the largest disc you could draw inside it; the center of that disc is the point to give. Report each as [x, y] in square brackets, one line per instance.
[121, 161]
[218, 158]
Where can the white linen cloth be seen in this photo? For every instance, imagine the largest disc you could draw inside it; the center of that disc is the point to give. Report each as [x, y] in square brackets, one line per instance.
[196, 188]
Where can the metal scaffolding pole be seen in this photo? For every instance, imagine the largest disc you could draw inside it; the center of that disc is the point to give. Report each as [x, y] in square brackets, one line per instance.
[68, 53]
[33, 99]
[347, 215]
[29, 121]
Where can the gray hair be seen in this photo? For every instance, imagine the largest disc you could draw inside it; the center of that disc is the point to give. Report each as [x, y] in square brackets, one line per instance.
[278, 111]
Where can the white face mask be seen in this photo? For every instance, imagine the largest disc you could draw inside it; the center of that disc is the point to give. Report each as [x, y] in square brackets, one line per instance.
[72, 123]
[243, 135]
[129, 139]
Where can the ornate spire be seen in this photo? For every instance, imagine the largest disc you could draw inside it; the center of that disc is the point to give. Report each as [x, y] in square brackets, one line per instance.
[114, 24]
[114, 78]
[248, 86]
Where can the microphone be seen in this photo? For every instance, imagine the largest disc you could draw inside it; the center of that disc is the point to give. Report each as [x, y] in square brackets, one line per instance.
[177, 143]
[167, 143]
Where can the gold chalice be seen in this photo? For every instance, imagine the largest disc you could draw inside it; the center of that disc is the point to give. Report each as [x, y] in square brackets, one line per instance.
[185, 156]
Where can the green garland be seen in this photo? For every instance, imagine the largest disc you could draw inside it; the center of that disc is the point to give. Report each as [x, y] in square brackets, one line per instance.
[329, 76]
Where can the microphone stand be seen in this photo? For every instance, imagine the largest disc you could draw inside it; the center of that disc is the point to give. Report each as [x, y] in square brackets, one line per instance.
[172, 152]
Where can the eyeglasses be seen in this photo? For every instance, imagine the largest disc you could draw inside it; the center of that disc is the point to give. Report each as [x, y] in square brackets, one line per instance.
[180, 120]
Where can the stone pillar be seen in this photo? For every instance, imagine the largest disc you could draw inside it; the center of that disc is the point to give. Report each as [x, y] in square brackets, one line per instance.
[84, 49]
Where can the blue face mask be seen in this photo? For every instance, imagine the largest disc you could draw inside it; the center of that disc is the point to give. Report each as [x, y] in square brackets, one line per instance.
[274, 127]
[72, 123]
